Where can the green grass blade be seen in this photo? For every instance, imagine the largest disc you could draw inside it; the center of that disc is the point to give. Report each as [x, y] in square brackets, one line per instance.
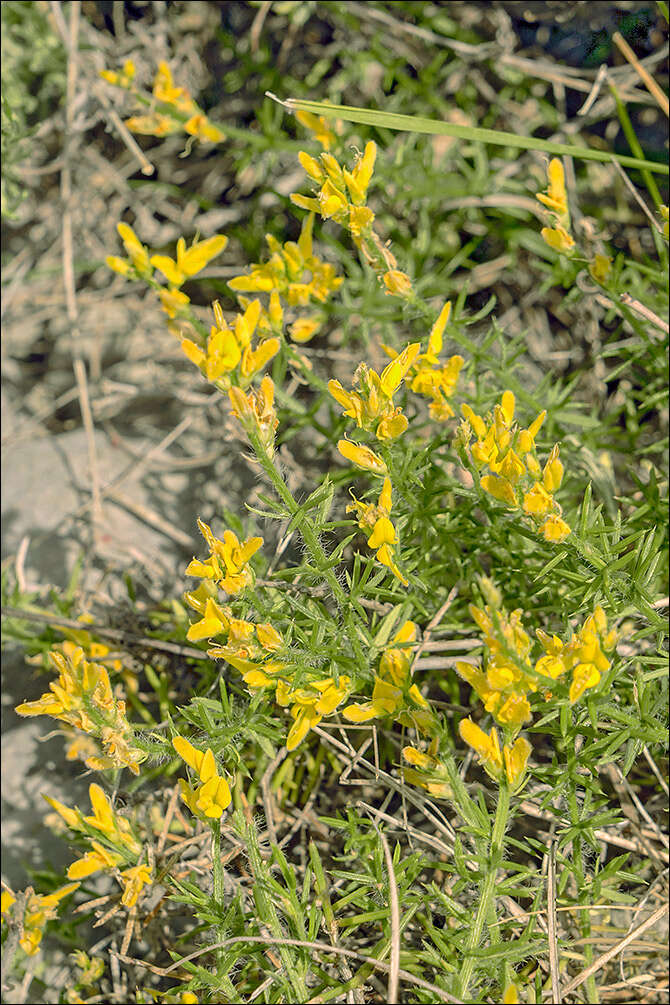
[435, 127]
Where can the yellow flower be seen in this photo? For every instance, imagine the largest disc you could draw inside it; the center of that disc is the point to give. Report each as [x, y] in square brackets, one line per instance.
[173, 301]
[431, 774]
[93, 861]
[500, 488]
[124, 78]
[212, 796]
[511, 995]
[227, 564]
[556, 198]
[516, 760]
[363, 457]
[257, 408]
[558, 238]
[374, 520]
[164, 90]
[397, 283]
[393, 692]
[40, 909]
[200, 126]
[487, 747]
[138, 255]
[304, 329]
[310, 704]
[372, 404]
[555, 529]
[82, 697]
[153, 124]
[134, 881]
[319, 126]
[189, 261]
[600, 268]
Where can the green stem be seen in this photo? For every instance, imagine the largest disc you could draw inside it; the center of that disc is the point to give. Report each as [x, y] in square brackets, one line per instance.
[487, 888]
[226, 985]
[307, 531]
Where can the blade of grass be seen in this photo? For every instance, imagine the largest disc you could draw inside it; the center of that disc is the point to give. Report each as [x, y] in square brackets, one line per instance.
[435, 127]
[634, 144]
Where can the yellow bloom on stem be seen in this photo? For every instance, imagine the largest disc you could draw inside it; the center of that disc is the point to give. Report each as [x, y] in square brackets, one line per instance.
[397, 283]
[371, 406]
[393, 692]
[319, 126]
[228, 560]
[431, 774]
[138, 255]
[556, 198]
[123, 78]
[600, 268]
[165, 90]
[173, 302]
[558, 238]
[213, 622]
[134, 881]
[374, 520]
[189, 261]
[362, 457]
[38, 911]
[83, 697]
[212, 796]
[511, 995]
[153, 124]
[200, 126]
[431, 378]
[486, 746]
[311, 703]
[93, 861]
[516, 760]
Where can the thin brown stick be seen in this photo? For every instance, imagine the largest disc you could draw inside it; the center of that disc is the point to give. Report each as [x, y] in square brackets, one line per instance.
[603, 960]
[68, 263]
[113, 634]
[645, 77]
[394, 912]
[323, 947]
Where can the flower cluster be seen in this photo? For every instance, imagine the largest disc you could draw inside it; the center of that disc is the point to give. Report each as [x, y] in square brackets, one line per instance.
[172, 108]
[212, 795]
[341, 196]
[371, 406]
[427, 770]
[510, 674]
[431, 377]
[393, 692]
[584, 656]
[229, 351]
[555, 199]
[38, 910]
[293, 274]
[113, 843]
[249, 648]
[375, 521]
[82, 697]
[140, 264]
[308, 701]
[228, 562]
[511, 763]
[516, 477]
